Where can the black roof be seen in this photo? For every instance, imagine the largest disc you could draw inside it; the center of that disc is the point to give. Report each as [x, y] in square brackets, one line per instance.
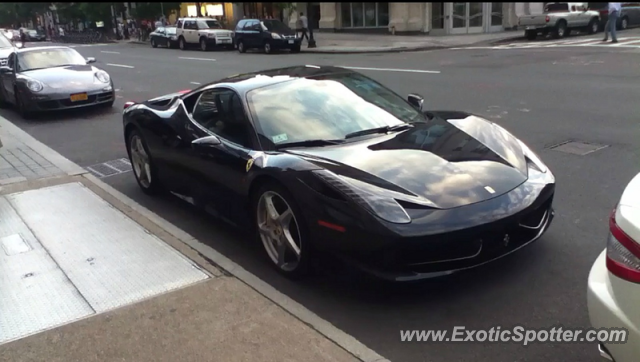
[243, 83]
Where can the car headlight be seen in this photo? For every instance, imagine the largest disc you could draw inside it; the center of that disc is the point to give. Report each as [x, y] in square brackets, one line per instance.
[211, 35]
[173, 37]
[533, 157]
[34, 85]
[383, 207]
[103, 76]
[276, 36]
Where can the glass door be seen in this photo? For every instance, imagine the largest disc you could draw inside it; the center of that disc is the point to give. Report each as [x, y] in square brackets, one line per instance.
[466, 18]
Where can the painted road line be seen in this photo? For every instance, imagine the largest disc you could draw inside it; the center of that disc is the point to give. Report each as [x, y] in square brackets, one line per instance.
[394, 70]
[196, 83]
[121, 65]
[206, 59]
[107, 52]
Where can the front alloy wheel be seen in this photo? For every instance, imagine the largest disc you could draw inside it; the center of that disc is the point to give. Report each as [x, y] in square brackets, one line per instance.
[281, 231]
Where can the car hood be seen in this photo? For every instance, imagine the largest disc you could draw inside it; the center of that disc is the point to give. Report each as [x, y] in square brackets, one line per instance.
[67, 77]
[218, 31]
[455, 159]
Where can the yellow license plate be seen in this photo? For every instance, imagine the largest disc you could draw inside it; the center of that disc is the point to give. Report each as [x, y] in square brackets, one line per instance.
[79, 97]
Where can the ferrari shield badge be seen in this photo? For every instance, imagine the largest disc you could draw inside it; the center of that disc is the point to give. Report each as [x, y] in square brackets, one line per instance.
[249, 164]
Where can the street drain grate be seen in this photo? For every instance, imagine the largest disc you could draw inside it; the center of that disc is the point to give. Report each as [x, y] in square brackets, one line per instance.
[110, 168]
[577, 147]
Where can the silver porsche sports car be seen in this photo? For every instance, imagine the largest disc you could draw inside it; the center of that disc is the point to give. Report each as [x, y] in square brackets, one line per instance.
[53, 78]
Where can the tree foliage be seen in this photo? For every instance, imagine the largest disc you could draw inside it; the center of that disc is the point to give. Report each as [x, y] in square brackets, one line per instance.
[13, 13]
[153, 10]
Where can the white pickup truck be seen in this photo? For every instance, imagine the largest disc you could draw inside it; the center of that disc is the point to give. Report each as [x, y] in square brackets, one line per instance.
[560, 19]
[205, 32]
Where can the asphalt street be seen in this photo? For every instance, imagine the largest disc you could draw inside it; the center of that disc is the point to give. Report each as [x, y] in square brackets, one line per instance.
[545, 96]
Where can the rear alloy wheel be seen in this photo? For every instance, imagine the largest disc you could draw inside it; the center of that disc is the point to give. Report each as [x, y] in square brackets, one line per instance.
[624, 24]
[594, 25]
[182, 44]
[282, 231]
[153, 43]
[142, 164]
[561, 30]
[267, 48]
[241, 47]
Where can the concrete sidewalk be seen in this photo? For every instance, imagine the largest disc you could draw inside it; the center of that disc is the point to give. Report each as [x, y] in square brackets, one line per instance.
[350, 43]
[90, 275]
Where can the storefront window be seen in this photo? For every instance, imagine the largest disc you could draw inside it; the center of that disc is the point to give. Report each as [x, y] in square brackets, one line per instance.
[437, 15]
[364, 15]
[496, 14]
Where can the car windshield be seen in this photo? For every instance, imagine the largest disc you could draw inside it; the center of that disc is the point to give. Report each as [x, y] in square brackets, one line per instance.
[209, 24]
[32, 32]
[170, 31]
[327, 109]
[49, 58]
[555, 8]
[5, 42]
[275, 26]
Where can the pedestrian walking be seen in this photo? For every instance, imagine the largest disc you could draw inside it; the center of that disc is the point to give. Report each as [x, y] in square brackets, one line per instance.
[303, 24]
[23, 36]
[612, 22]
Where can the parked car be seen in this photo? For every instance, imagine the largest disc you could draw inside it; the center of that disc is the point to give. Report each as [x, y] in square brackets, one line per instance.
[165, 36]
[205, 32]
[324, 158]
[44, 79]
[268, 35]
[560, 19]
[35, 35]
[629, 15]
[6, 48]
[613, 294]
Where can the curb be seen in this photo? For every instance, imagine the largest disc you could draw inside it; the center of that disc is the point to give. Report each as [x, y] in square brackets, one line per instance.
[389, 50]
[297, 310]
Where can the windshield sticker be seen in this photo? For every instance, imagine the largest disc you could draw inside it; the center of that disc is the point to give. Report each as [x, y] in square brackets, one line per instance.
[279, 138]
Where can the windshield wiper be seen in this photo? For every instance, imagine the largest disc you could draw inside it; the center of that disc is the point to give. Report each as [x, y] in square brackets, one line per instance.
[384, 129]
[308, 143]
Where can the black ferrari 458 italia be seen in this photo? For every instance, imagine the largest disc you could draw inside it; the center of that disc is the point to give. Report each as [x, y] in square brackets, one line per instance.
[324, 158]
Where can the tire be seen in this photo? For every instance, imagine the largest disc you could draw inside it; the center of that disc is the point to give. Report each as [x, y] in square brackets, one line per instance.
[560, 30]
[267, 48]
[593, 27]
[298, 264]
[531, 34]
[149, 186]
[182, 44]
[295, 49]
[624, 23]
[153, 44]
[203, 45]
[22, 108]
[3, 99]
[241, 47]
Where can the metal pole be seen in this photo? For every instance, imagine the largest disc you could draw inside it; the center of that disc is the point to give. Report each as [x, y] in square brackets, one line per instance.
[162, 10]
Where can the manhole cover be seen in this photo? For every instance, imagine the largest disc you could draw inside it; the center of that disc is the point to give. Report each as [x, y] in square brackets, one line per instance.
[578, 148]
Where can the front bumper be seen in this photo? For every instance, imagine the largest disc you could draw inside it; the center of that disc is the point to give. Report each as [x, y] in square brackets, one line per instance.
[62, 101]
[278, 44]
[612, 303]
[220, 41]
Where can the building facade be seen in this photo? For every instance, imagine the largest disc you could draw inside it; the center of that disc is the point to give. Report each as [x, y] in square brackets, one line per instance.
[414, 18]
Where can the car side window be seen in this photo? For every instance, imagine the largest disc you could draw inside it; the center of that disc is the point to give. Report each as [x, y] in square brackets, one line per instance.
[221, 112]
[253, 25]
[241, 24]
[190, 24]
[160, 30]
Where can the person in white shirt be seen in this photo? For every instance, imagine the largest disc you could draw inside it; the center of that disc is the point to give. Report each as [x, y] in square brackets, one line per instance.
[303, 23]
[614, 14]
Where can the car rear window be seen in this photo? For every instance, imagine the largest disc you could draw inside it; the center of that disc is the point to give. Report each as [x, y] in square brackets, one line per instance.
[555, 8]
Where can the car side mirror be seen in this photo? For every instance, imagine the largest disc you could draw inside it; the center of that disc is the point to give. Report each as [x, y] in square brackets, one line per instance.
[206, 143]
[415, 100]
[91, 60]
[5, 70]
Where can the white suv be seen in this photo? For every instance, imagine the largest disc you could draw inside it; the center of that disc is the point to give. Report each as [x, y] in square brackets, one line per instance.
[205, 32]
